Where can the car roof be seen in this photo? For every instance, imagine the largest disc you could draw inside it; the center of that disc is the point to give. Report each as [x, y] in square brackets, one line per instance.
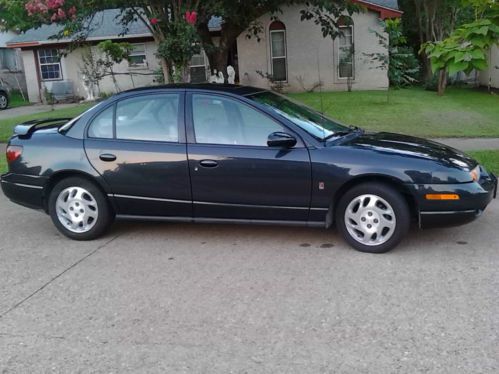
[227, 88]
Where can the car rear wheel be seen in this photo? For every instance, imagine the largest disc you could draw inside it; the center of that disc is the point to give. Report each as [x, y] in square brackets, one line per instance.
[4, 101]
[373, 217]
[79, 209]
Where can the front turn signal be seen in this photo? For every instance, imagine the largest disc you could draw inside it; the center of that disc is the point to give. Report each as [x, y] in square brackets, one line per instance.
[444, 196]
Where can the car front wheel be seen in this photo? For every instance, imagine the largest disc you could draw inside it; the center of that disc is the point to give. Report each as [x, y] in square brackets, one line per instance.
[4, 101]
[373, 217]
[79, 209]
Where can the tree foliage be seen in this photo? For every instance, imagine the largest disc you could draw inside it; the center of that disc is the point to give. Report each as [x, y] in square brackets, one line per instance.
[400, 61]
[466, 48]
[179, 27]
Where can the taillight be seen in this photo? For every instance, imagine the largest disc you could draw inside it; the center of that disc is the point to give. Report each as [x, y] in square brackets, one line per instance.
[13, 152]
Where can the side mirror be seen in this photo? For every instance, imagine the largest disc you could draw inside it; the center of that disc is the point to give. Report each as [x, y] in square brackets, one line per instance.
[281, 139]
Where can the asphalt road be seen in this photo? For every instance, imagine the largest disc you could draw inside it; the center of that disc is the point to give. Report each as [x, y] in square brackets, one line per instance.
[183, 298]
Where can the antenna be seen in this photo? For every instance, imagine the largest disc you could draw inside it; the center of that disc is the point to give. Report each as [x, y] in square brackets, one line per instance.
[320, 82]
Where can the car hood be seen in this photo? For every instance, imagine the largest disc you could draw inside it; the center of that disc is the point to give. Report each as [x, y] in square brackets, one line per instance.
[413, 147]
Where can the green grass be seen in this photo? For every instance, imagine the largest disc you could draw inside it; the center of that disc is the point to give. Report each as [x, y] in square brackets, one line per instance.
[461, 112]
[3, 163]
[16, 100]
[7, 125]
[489, 159]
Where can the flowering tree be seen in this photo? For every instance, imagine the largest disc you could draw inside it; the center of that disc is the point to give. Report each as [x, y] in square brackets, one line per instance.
[180, 27]
[171, 22]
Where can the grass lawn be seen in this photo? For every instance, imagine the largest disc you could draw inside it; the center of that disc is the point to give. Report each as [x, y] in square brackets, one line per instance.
[490, 159]
[16, 100]
[3, 163]
[462, 112]
[7, 125]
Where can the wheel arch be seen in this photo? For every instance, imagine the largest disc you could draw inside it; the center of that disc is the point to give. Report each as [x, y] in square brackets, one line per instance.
[64, 174]
[378, 178]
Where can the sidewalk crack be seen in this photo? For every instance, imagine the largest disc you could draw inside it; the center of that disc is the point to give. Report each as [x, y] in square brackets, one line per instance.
[45, 285]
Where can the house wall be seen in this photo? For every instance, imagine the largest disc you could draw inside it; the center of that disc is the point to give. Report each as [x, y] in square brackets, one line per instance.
[71, 71]
[31, 75]
[492, 71]
[11, 64]
[309, 52]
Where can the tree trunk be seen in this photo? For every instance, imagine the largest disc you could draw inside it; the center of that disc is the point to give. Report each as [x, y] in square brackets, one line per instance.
[218, 60]
[167, 71]
[442, 81]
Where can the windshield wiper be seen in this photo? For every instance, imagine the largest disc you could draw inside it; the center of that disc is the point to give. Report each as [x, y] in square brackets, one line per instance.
[339, 134]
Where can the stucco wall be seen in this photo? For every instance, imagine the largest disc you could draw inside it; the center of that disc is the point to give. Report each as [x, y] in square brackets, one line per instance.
[309, 52]
[71, 70]
[492, 71]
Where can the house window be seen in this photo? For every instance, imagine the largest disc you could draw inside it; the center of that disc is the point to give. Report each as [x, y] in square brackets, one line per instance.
[8, 59]
[346, 53]
[50, 64]
[137, 56]
[278, 51]
[198, 68]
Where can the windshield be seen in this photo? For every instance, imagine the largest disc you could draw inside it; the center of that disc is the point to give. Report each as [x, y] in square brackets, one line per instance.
[313, 122]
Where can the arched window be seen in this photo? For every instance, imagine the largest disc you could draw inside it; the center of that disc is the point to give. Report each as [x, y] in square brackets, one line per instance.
[278, 51]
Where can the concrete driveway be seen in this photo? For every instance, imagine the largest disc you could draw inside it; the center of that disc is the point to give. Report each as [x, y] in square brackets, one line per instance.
[183, 298]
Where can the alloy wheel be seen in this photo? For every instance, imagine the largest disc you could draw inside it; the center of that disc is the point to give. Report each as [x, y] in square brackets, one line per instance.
[77, 209]
[370, 220]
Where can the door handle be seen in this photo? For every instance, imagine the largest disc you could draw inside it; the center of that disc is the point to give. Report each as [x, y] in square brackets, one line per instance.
[208, 163]
[107, 157]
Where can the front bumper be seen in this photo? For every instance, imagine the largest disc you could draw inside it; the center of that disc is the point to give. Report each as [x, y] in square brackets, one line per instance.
[474, 199]
[24, 190]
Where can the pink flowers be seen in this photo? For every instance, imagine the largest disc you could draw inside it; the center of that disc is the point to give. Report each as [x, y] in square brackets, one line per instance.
[191, 17]
[154, 21]
[50, 9]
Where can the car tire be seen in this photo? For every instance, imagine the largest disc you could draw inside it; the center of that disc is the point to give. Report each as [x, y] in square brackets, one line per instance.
[373, 217]
[4, 101]
[79, 209]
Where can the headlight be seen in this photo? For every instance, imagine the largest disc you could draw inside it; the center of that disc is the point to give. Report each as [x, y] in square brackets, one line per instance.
[475, 174]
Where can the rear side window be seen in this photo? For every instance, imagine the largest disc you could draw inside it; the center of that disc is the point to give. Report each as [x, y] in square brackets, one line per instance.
[152, 117]
[102, 125]
[148, 118]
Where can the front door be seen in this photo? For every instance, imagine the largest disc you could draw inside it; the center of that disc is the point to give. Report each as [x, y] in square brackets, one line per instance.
[234, 174]
[138, 146]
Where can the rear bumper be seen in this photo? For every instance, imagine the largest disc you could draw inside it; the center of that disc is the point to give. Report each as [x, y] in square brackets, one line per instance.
[23, 190]
[474, 199]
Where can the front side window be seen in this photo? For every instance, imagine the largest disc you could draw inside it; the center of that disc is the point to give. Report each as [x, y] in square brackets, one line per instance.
[50, 64]
[219, 120]
[137, 56]
[147, 118]
[278, 51]
[346, 53]
[307, 119]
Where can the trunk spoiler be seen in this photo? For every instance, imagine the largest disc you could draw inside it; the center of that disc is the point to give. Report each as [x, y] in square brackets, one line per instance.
[26, 129]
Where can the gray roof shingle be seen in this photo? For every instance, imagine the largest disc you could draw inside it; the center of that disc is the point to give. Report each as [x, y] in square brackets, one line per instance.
[392, 4]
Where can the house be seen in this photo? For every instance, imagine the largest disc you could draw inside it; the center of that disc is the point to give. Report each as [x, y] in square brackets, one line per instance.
[490, 76]
[294, 53]
[11, 64]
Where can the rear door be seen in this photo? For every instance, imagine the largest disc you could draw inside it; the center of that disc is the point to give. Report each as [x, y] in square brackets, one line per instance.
[234, 174]
[138, 145]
